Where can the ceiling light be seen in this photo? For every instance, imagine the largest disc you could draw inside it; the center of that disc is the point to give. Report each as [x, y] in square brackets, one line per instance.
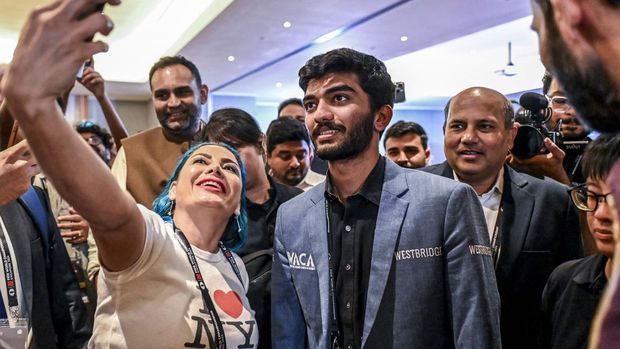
[286, 24]
[231, 58]
[331, 35]
[404, 38]
[278, 84]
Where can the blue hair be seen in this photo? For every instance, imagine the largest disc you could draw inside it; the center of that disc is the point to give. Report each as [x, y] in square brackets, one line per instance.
[233, 238]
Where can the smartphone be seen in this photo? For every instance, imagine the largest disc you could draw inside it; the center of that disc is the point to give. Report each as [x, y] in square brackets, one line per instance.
[80, 73]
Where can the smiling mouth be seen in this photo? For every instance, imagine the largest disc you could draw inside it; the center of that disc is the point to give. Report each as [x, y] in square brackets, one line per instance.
[469, 153]
[212, 185]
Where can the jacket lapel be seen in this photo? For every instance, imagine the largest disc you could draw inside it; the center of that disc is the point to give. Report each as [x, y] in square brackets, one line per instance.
[392, 210]
[517, 204]
[315, 227]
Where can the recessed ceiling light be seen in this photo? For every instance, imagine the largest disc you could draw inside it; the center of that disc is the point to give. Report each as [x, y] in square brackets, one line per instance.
[404, 38]
[278, 84]
[231, 58]
[286, 24]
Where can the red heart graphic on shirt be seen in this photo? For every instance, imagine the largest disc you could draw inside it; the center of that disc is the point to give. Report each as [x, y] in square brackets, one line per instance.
[229, 302]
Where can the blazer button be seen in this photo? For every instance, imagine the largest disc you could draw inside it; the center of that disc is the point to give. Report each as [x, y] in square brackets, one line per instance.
[347, 228]
[347, 267]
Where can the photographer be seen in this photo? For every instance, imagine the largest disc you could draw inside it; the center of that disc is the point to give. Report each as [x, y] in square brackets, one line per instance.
[558, 127]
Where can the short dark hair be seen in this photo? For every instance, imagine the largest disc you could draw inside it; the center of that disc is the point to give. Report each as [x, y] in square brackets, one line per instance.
[233, 126]
[285, 130]
[174, 60]
[89, 126]
[289, 101]
[600, 156]
[402, 128]
[371, 73]
[546, 80]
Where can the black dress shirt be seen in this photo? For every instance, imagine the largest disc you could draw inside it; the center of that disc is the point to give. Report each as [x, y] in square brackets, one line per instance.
[351, 234]
[570, 300]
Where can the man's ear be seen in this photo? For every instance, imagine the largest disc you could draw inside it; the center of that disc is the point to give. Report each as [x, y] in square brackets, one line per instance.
[512, 133]
[427, 152]
[204, 93]
[569, 18]
[383, 116]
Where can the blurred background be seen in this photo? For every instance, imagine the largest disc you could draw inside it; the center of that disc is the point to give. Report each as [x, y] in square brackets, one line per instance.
[249, 51]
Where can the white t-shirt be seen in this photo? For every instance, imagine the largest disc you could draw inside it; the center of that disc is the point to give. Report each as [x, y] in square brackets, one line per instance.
[156, 304]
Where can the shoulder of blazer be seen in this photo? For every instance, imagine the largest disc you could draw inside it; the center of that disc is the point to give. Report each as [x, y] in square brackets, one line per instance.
[442, 169]
[534, 185]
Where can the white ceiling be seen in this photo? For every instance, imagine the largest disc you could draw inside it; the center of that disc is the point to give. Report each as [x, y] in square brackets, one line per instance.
[439, 58]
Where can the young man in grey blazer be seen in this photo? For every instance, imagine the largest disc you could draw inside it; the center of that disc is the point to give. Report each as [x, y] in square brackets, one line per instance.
[377, 255]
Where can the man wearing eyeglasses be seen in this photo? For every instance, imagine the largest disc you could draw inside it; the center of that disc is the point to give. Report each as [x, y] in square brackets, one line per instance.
[97, 138]
[574, 288]
[564, 119]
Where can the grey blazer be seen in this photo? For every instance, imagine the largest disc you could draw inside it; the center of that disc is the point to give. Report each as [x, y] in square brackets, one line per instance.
[430, 252]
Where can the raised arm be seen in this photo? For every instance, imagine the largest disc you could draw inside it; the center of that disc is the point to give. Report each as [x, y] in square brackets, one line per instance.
[52, 46]
[94, 82]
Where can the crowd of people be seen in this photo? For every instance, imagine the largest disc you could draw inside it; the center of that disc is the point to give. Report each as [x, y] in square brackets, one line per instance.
[206, 232]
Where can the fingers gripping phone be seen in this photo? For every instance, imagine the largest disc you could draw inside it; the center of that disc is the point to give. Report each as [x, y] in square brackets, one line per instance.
[92, 9]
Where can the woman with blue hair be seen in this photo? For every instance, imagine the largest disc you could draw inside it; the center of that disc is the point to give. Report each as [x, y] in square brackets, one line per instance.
[186, 287]
[162, 284]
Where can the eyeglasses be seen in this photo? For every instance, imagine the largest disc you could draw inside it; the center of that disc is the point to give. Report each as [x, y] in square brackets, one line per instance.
[586, 200]
[559, 104]
[93, 140]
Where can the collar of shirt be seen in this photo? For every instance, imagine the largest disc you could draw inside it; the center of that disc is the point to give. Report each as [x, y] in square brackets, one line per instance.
[370, 190]
[492, 198]
[593, 276]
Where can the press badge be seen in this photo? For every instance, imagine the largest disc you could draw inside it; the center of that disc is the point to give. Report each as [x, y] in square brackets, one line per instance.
[13, 333]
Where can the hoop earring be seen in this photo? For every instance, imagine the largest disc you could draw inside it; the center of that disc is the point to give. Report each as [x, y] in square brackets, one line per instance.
[172, 205]
[238, 224]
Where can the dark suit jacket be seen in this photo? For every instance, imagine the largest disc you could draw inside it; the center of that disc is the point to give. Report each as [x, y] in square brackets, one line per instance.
[431, 283]
[53, 300]
[540, 230]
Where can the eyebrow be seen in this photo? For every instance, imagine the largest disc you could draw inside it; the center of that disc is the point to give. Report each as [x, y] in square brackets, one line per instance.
[177, 88]
[210, 157]
[333, 89]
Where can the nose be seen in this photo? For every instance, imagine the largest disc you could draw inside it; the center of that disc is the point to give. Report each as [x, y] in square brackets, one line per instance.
[322, 113]
[215, 169]
[570, 110]
[173, 101]
[602, 209]
[294, 162]
[469, 136]
[401, 159]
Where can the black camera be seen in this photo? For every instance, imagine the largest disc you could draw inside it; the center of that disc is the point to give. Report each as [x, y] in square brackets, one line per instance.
[399, 92]
[533, 116]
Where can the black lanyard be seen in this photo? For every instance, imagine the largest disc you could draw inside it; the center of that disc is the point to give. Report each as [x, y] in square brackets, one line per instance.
[335, 332]
[496, 244]
[9, 274]
[220, 338]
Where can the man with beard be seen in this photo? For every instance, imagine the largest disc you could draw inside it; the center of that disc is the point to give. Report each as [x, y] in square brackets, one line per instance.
[145, 160]
[377, 256]
[589, 75]
[532, 224]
